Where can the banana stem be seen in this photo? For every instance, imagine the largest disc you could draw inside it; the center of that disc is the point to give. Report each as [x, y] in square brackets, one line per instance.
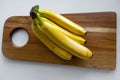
[35, 22]
[34, 13]
[40, 19]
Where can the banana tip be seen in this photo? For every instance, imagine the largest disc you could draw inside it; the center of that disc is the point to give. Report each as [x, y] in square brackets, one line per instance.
[90, 54]
[85, 42]
[86, 33]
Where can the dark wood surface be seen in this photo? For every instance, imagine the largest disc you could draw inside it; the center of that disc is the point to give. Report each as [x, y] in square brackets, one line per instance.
[101, 39]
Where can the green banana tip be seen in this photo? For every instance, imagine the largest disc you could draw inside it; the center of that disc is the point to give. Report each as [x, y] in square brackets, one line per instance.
[34, 11]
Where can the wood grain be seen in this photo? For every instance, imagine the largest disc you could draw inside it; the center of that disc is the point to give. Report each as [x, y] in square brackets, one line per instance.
[101, 39]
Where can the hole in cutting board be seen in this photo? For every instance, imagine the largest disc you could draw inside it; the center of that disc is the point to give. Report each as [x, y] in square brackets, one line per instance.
[19, 37]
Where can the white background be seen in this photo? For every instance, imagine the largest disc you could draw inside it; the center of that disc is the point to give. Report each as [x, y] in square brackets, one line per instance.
[26, 70]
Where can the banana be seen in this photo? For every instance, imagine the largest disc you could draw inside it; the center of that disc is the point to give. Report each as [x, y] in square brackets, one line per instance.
[77, 38]
[63, 40]
[46, 41]
[58, 37]
[63, 22]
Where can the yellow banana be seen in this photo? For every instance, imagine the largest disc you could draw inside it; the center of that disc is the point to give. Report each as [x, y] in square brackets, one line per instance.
[63, 22]
[79, 39]
[63, 40]
[46, 41]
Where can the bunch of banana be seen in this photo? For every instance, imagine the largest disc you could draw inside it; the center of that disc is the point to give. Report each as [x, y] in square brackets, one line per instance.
[59, 34]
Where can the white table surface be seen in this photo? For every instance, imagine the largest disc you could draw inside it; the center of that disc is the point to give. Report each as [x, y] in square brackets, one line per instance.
[26, 70]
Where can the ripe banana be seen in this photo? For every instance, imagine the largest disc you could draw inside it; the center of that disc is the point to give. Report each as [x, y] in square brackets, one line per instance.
[57, 36]
[63, 22]
[77, 38]
[46, 41]
[63, 40]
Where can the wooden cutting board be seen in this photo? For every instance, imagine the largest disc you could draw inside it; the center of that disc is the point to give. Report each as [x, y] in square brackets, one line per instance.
[101, 39]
